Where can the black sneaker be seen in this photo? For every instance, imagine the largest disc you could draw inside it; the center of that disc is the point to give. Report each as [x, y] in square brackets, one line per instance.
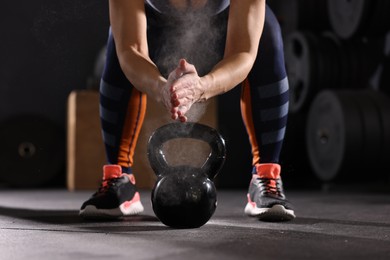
[116, 197]
[266, 199]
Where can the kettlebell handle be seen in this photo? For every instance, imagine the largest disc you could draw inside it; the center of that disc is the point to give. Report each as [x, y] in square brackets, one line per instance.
[213, 163]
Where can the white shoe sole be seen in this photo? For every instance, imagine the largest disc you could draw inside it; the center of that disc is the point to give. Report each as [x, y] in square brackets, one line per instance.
[276, 213]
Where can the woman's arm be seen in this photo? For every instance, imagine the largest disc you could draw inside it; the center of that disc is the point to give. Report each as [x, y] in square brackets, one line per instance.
[129, 28]
[245, 26]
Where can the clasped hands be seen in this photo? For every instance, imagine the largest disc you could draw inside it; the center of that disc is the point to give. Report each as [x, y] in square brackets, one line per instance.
[182, 89]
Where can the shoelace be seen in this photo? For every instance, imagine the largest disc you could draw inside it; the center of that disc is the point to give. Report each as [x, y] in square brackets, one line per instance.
[270, 186]
[107, 185]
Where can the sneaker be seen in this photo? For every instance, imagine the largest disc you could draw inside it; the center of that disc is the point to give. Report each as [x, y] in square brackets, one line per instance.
[266, 199]
[116, 197]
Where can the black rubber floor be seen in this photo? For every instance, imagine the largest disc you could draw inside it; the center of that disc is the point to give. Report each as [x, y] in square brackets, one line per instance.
[329, 225]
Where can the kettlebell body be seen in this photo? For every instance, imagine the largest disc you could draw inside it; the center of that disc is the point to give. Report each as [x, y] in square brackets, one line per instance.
[185, 196]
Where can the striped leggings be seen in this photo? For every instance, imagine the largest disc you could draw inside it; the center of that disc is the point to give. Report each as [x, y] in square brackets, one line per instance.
[264, 98]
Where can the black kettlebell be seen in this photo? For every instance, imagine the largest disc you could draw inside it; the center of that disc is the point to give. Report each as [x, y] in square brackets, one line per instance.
[184, 196]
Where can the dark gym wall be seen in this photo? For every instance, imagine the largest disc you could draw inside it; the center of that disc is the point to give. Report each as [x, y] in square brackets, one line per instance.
[47, 49]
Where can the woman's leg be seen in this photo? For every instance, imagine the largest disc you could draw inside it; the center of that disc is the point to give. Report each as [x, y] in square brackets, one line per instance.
[265, 96]
[264, 106]
[122, 111]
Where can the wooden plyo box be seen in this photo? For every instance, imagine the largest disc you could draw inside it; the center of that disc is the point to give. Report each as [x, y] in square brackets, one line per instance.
[85, 148]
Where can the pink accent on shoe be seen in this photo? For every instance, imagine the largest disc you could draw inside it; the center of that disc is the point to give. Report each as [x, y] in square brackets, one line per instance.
[131, 178]
[136, 198]
[253, 204]
[268, 170]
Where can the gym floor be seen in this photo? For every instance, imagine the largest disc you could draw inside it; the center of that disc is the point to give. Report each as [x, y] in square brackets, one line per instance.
[43, 224]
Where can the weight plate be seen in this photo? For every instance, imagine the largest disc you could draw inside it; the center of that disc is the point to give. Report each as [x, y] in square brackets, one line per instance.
[302, 68]
[348, 16]
[372, 129]
[32, 151]
[333, 134]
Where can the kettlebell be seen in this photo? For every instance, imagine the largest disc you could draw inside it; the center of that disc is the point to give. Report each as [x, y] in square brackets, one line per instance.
[185, 196]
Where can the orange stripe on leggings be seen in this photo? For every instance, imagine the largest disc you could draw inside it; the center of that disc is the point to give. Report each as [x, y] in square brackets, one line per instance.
[135, 115]
[247, 117]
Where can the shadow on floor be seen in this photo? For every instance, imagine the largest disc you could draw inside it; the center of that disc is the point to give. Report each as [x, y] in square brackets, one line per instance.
[71, 217]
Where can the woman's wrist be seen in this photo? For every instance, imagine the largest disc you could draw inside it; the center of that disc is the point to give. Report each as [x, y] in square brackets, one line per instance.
[206, 83]
[158, 90]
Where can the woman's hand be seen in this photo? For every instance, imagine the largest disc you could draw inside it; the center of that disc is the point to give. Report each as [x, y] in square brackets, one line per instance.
[186, 89]
[167, 92]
